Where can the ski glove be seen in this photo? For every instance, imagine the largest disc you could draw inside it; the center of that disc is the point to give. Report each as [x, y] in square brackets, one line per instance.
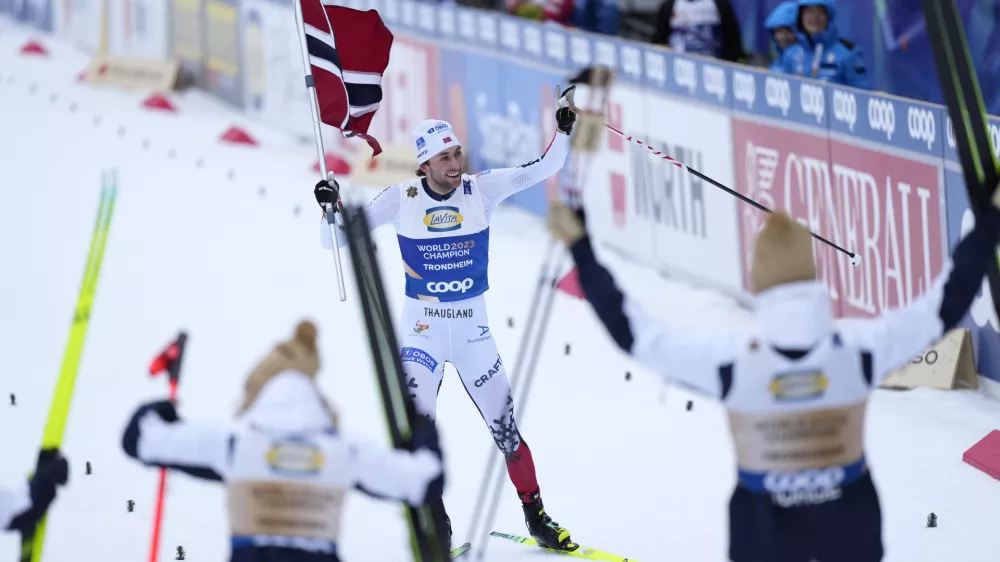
[52, 471]
[565, 118]
[327, 194]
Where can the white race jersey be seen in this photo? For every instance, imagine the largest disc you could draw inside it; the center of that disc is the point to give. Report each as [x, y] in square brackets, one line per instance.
[286, 470]
[444, 240]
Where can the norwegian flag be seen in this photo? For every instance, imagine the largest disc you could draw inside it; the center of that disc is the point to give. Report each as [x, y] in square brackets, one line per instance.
[348, 52]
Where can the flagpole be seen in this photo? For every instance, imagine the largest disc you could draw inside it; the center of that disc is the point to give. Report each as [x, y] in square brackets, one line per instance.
[331, 210]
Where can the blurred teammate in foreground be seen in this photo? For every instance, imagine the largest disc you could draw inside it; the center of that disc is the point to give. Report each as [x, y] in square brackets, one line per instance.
[795, 384]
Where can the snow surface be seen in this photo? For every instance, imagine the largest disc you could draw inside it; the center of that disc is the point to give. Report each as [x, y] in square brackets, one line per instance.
[218, 249]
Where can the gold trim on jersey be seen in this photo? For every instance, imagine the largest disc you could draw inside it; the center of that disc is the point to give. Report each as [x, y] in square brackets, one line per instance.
[801, 439]
[287, 509]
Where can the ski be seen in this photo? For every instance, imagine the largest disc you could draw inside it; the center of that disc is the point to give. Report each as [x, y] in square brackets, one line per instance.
[427, 522]
[460, 551]
[578, 550]
[33, 540]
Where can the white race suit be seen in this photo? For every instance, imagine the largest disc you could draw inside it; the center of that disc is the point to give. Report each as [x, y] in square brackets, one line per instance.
[444, 241]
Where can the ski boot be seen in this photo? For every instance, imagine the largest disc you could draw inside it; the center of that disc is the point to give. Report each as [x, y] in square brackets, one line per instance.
[543, 529]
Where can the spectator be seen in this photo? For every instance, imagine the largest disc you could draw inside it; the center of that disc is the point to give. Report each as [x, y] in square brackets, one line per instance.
[704, 27]
[597, 16]
[781, 25]
[820, 52]
[559, 11]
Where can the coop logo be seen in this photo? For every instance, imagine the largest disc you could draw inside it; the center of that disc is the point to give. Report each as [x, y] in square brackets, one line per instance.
[845, 108]
[555, 45]
[922, 125]
[446, 22]
[812, 101]
[443, 219]
[453, 287]
[882, 116]
[631, 61]
[684, 75]
[579, 50]
[488, 30]
[509, 36]
[533, 40]
[804, 480]
[409, 14]
[778, 94]
[745, 88]
[715, 81]
[466, 23]
[656, 67]
[604, 54]
[425, 14]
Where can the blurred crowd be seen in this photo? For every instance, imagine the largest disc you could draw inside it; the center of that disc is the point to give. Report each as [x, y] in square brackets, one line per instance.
[805, 40]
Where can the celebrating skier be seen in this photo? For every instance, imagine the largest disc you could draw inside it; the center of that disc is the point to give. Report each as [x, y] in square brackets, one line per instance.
[442, 219]
[795, 384]
[286, 468]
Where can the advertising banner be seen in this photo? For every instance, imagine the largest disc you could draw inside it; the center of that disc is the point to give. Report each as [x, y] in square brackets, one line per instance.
[138, 28]
[187, 36]
[273, 87]
[78, 21]
[222, 50]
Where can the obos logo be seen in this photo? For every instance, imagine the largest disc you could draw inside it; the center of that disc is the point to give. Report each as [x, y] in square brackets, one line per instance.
[882, 116]
[295, 457]
[921, 124]
[845, 108]
[443, 219]
[813, 101]
[745, 88]
[453, 287]
[684, 74]
[778, 93]
[421, 143]
[715, 81]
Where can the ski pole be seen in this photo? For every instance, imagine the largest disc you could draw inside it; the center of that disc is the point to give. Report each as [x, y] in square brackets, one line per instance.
[169, 361]
[331, 210]
[854, 257]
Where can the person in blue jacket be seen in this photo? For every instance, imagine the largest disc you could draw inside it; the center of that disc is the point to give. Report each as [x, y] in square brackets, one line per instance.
[781, 24]
[820, 52]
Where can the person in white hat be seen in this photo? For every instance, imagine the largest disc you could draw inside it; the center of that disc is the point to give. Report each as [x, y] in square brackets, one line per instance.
[442, 219]
[286, 466]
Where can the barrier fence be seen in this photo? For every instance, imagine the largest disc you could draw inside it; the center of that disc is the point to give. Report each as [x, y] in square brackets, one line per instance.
[876, 174]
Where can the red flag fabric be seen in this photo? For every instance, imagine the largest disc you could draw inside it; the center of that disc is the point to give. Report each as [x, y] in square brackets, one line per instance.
[348, 53]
